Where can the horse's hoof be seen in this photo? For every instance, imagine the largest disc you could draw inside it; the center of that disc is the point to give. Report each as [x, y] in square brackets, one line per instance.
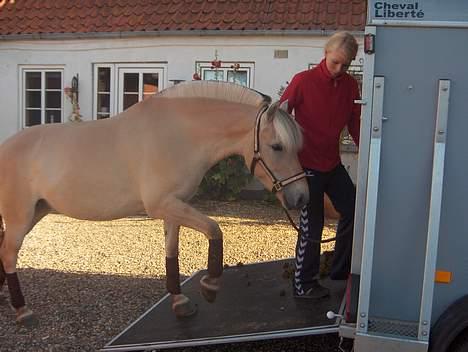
[209, 295]
[184, 310]
[183, 307]
[209, 288]
[25, 317]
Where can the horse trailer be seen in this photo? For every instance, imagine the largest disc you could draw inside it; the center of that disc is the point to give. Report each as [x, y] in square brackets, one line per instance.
[408, 288]
[409, 284]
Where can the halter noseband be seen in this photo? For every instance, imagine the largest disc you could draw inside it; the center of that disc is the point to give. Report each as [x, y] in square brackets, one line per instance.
[257, 158]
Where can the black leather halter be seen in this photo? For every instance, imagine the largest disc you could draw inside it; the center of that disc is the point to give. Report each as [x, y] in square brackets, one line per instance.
[278, 185]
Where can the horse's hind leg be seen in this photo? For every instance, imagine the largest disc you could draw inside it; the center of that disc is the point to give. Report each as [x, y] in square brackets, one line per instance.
[2, 281]
[181, 304]
[12, 240]
[2, 270]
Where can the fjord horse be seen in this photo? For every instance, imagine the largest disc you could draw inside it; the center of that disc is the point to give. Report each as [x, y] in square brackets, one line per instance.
[150, 158]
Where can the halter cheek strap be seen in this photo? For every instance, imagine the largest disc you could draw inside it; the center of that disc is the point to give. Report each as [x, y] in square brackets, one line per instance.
[278, 185]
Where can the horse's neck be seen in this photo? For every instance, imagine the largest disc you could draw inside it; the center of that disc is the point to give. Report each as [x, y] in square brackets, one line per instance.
[236, 132]
[222, 128]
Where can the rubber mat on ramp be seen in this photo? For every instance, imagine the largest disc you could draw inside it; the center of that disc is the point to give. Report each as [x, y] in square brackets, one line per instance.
[255, 303]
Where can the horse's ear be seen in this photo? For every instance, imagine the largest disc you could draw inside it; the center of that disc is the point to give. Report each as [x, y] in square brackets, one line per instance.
[272, 111]
[284, 105]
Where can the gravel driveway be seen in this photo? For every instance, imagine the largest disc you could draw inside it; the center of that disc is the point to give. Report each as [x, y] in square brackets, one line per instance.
[86, 281]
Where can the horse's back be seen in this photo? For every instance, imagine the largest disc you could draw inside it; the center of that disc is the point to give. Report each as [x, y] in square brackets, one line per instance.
[76, 168]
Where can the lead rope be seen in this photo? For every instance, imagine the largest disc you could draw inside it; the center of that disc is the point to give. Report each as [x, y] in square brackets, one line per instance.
[293, 224]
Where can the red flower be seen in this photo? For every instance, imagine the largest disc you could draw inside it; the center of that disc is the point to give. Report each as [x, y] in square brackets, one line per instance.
[196, 77]
[235, 66]
[216, 64]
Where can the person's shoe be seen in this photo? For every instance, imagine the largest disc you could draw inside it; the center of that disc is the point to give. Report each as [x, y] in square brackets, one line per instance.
[315, 291]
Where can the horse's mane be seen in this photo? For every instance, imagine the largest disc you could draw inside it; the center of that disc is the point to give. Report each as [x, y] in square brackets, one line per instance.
[216, 90]
[287, 129]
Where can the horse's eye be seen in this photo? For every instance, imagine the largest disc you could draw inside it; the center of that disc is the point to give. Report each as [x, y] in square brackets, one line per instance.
[277, 147]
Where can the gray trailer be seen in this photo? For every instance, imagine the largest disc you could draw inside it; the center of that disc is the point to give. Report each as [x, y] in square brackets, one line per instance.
[409, 285]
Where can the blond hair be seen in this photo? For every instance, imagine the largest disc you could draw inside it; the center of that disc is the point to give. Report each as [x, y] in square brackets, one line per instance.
[344, 41]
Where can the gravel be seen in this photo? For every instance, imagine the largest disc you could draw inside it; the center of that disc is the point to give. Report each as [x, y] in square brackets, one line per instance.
[86, 281]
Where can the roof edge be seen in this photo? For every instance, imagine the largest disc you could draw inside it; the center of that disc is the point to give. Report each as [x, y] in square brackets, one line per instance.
[169, 33]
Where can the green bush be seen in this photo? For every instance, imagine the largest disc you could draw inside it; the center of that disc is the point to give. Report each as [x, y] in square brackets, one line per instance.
[225, 180]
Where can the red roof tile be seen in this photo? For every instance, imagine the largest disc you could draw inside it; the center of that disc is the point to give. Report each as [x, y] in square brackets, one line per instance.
[90, 16]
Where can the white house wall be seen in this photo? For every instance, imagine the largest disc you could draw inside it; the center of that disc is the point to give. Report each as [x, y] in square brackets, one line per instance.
[179, 54]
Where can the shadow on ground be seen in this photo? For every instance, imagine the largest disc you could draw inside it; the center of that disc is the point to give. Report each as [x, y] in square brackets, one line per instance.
[76, 311]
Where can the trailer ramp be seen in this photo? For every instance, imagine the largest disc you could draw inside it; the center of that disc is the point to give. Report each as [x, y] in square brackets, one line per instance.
[255, 303]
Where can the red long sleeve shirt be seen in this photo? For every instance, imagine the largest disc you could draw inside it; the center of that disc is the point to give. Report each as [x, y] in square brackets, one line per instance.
[323, 106]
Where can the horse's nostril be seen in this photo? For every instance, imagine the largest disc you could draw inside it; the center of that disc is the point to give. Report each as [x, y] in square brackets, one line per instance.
[301, 201]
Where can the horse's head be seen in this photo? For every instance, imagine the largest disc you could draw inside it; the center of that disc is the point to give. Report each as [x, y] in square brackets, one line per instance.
[277, 140]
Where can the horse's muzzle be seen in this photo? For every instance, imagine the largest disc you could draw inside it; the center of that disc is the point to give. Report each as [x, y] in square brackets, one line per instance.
[295, 200]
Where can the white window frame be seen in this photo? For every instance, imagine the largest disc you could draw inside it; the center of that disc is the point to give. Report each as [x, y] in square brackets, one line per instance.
[22, 79]
[116, 86]
[249, 67]
[111, 89]
[140, 71]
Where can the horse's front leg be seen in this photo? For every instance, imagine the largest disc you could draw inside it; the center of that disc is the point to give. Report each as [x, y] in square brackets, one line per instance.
[175, 211]
[181, 304]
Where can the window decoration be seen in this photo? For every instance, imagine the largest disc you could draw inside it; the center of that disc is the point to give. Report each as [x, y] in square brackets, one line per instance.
[227, 71]
[72, 94]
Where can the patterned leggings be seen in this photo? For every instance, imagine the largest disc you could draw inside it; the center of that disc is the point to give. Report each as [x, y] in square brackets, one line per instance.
[338, 186]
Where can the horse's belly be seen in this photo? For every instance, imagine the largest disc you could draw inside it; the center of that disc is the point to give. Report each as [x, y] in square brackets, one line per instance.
[92, 208]
[98, 201]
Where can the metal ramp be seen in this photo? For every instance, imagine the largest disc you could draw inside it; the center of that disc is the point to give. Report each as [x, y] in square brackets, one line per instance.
[255, 303]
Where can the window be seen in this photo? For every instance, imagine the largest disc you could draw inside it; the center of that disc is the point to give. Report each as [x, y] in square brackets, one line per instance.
[234, 72]
[137, 85]
[42, 100]
[119, 86]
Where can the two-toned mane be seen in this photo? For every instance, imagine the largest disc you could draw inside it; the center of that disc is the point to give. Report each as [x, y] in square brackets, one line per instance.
[287, 129]
[150, 158]
[216, 90]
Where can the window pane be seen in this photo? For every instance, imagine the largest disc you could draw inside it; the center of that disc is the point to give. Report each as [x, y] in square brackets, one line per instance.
[53, 116]
[33, 100]
[102, 116]
[33, 117]
[150, 83]
[33, 80]
[131, 82]
[104, 79]
[212, 75]
[53, 80]
[238, 77]
[53, 99]
[103, 103]
[129, 100]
